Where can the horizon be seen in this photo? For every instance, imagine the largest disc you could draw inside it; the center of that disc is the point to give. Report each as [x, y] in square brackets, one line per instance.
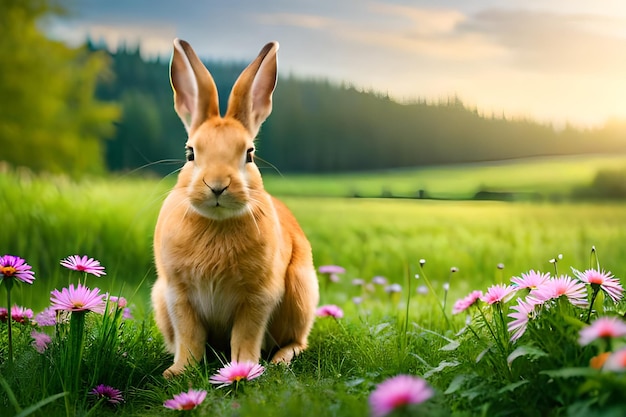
[555, 62]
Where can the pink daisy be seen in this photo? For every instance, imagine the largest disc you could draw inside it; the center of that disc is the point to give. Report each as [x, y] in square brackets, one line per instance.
[398, 392]
[603, 327]
[604, 280]
[80, 298]
[110, 394]
[20, 314]
[617, 361]
[16, 267]
[120, 301]
[186, 400]
[524, 311]
[40, 341]
[235, 372]
[465, 303]
[4, 314]
[83, 264]
[532, 280]
[555, 288]
[329, 310]
[499, 293]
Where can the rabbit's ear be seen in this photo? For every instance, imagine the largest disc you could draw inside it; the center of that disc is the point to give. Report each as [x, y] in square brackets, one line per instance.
[250, 102]
[195, 93]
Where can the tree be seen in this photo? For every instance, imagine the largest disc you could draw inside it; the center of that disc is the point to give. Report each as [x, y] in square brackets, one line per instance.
[49, 118]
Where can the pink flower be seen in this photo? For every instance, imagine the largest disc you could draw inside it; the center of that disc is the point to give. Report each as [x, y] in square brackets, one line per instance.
[83, 264]
[235, 372]
[186, 400]
[120, 301]
[532, 280]
[604, 280]
[20, 314]
[48, 317]
[499, 293]
[603, 327]
[617, 361]
[465, 303]
[524, 311]
[16, 267]
[80, 298]
[555, 288]
[110, 394]
[331, 269]
[398, 392]
[379, 280]
[40, 341]
[4, 314]
[329, 310]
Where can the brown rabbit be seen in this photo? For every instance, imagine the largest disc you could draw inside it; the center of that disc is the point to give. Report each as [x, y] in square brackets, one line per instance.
[234, 267]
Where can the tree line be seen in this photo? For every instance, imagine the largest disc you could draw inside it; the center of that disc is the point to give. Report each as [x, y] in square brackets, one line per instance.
[317, 126]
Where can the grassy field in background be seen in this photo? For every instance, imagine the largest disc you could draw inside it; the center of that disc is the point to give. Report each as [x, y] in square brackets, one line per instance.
[44, 219]
[546, 175]
[48, 218]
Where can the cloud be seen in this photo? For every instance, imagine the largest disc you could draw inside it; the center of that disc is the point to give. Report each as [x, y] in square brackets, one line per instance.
[554, 42]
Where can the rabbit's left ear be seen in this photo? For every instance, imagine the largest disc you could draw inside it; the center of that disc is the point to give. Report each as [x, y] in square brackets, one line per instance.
[250, 101]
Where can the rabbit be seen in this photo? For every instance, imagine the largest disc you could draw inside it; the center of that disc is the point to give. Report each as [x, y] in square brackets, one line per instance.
[234, 268]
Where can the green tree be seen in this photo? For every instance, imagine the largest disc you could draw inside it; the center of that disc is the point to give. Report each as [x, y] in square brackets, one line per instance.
[49, 118]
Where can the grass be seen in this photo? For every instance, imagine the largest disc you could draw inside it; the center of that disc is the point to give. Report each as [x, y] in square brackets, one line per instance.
[46, 219]
[547, 175]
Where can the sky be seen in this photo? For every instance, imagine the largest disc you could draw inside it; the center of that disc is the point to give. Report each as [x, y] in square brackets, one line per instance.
[555, 61]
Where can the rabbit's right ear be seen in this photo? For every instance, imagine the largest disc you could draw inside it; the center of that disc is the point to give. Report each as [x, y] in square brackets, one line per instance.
[195, 93]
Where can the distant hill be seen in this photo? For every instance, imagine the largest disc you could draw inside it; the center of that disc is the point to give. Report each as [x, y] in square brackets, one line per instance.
[317, 126]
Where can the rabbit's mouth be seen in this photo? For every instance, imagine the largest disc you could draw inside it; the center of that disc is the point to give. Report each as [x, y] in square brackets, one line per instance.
[219, 208]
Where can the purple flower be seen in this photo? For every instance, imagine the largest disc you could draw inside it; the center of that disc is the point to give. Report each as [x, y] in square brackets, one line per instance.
[604, 280]
[329, 310]
[235, 372]
[465, 303]
[40, 341]
[186, 400]
[48, 317]
[16, 267]
[83, 264]
[110, 394]
[398, 392]
[80, 298]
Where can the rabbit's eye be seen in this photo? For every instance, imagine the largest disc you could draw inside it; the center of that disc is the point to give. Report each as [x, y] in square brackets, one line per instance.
[189, 153]
[249, 155]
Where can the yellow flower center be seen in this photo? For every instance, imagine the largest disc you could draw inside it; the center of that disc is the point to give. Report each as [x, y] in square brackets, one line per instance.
[8, 271]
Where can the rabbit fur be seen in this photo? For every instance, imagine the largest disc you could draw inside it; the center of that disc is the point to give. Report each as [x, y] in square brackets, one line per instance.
[235, 269]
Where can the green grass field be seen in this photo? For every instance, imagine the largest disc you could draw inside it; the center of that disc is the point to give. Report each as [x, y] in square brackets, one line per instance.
[544, 175]
[46, 219]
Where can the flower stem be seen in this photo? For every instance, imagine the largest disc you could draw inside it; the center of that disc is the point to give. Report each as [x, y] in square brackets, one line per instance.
[9, 284]
[596, 288]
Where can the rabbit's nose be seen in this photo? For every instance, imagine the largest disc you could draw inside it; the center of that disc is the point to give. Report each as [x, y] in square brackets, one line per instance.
[218, 190]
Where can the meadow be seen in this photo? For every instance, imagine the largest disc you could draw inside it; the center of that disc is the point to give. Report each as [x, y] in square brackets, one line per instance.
[437, 251]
